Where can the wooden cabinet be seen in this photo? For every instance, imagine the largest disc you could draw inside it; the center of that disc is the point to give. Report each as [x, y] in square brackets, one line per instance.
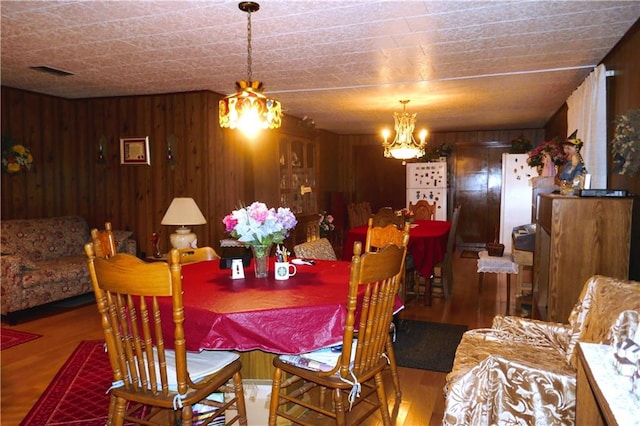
[298, 175]
[299, 183]
[576, 238]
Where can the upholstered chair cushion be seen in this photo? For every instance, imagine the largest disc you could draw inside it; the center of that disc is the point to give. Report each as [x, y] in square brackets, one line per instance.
[318, 249]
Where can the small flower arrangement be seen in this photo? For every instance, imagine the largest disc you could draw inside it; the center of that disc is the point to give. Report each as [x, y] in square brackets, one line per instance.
[407, 214]
[520, 145]
[257, 225]
[551, 148]
[444, 150]
[625, 145]
[16, 158]
[326, 224]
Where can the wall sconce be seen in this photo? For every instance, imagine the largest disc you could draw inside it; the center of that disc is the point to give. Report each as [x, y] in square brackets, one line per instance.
[171, 146]
[102, 147]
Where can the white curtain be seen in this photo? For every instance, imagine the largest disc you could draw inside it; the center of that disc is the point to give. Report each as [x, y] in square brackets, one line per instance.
[587, 112]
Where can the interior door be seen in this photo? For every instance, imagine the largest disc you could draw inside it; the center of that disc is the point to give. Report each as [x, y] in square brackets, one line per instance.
[379, 180]
[478, 179]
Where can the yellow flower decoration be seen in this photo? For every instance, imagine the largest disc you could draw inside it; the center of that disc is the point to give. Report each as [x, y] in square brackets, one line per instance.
[20, 149]
[16, 158]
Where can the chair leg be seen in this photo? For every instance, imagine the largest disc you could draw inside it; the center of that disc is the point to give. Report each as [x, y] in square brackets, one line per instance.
[275, 397]
[118, 415]
[187, 415]
[394, 368]
[427, 290]
[112, 410]
[341, 416]
[382, 398]
[446, 273]
[241, 408]
[323, 396]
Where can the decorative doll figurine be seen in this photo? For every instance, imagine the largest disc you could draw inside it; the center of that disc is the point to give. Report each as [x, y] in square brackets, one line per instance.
[548, 166]
[572, 175]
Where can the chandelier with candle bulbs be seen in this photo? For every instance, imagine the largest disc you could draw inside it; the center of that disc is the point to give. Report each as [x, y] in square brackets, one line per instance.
[249, 110]
[404, 146]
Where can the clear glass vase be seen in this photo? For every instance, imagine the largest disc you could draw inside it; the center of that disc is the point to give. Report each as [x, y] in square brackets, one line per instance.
[261, 254]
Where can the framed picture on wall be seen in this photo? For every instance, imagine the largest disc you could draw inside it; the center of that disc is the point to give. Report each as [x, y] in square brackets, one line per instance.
[135, 151]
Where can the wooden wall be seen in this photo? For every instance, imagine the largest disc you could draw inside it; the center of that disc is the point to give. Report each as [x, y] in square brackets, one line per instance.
[623, 94]
[219, 168]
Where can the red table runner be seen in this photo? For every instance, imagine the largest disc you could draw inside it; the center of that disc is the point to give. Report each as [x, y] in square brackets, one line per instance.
[427, 243]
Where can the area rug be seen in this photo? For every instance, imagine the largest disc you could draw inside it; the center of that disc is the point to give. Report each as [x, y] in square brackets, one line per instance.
[76, 395]
[427, 345]
[10, 338]
[469, 254]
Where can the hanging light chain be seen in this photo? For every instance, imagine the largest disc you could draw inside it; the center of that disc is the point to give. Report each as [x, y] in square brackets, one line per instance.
[249, 73]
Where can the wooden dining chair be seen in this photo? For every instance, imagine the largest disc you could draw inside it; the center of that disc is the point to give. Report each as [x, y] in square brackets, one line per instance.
[151, 381]
[104, 242]
[353, 373]
[312, 230]
[387, 216]
[422, 210]
[320, 249]
[377, 238]
[358, 214]
[442, 276]
[200, 254]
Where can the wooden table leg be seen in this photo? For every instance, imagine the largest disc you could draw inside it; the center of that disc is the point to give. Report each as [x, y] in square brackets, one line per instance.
[508, 293]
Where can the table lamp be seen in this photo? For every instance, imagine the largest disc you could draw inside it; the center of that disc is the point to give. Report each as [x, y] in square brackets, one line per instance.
[183, 211]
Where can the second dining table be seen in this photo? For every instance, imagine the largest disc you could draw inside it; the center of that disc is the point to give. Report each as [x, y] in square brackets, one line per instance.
[427, 243]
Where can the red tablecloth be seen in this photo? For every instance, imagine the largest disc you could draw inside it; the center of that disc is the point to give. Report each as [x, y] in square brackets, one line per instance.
[427, 243]
[301, 314]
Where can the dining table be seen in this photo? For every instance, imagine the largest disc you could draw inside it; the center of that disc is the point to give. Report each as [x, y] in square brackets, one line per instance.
[427, 243]
[263, 316]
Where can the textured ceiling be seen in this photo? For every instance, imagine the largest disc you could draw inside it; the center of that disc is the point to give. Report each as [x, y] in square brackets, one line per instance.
[465, 65]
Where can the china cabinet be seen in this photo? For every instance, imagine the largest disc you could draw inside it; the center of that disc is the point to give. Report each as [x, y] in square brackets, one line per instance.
[298, 160]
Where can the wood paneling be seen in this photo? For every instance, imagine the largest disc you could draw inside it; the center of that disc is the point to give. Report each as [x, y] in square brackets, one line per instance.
[67, 178]
[379, 180]
[623, 93]
[476, 178]
[220, 169]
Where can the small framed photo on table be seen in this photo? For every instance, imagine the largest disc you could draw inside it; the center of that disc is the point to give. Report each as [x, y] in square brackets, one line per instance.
[135, 151]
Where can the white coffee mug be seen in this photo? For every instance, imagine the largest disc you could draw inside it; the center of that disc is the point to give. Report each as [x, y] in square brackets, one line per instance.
[237, 269]
[284, 270]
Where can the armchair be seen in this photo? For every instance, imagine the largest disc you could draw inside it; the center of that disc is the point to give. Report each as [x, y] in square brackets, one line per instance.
[523, 371]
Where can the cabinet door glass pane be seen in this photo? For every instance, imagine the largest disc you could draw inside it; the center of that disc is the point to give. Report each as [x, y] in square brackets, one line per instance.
[297, 154]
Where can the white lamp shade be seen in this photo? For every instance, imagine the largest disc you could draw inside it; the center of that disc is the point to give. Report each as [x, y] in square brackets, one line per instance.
[183, 211]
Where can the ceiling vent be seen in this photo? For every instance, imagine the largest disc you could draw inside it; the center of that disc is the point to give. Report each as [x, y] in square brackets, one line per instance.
[52, 71]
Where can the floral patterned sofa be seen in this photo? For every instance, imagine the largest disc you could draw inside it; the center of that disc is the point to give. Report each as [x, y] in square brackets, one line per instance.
[43, 260]
[523, 371]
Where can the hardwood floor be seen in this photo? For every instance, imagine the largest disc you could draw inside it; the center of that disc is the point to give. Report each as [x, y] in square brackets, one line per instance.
[28, 369]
